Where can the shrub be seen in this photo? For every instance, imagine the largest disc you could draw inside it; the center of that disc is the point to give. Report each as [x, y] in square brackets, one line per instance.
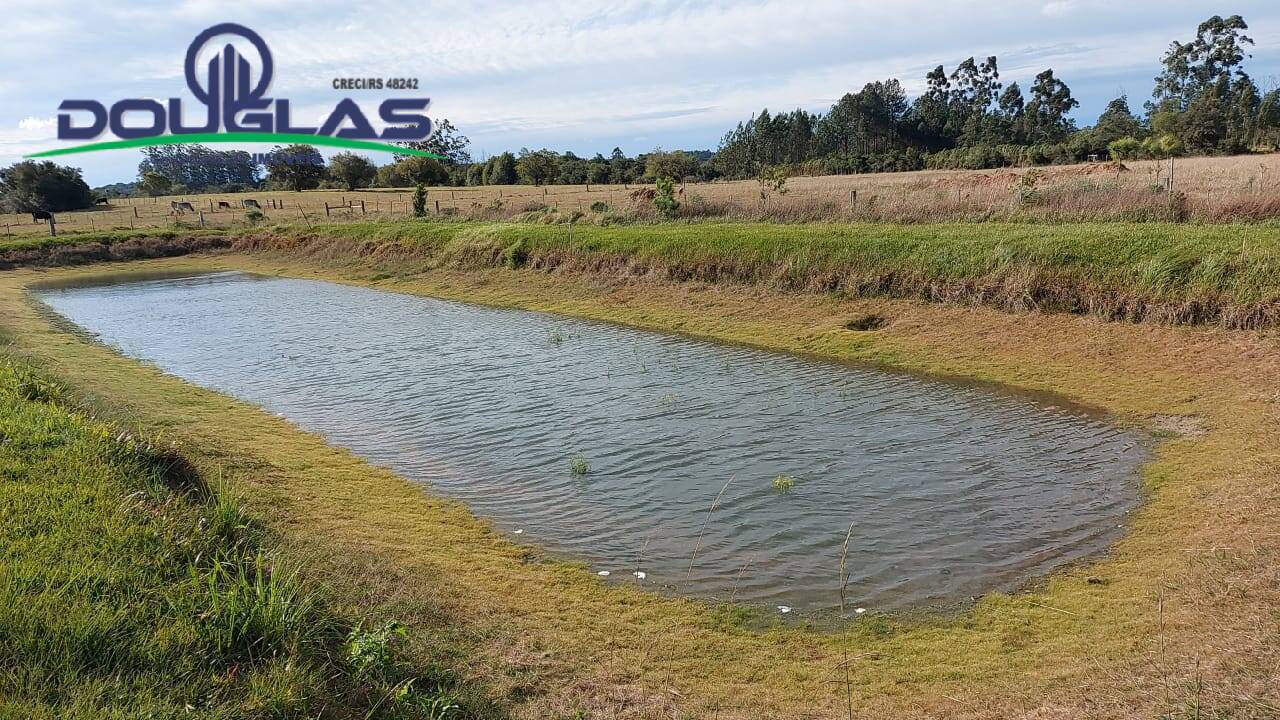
[664, 198]
[29, 186]
[1126, 148]
[773, 179]
[419, 201]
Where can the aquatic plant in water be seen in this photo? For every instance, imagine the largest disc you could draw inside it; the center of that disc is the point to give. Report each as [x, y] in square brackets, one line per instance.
[783, 483]
[578, 465]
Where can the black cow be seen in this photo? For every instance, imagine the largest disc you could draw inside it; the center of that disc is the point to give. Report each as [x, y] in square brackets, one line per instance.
[181, 207]
[222, 205]
[38, 215]
[250, 204]
[101, 201]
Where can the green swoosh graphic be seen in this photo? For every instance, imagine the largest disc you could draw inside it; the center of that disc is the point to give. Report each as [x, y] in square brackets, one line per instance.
[237, 137]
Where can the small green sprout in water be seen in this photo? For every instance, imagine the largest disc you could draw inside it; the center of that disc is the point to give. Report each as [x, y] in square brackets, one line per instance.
[556, 337]
[578, 465]
[783, 483]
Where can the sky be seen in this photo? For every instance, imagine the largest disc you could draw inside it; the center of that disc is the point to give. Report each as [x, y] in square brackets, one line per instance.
[587, 76]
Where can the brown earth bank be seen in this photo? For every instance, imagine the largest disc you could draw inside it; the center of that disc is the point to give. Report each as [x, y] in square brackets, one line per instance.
[1178, 620]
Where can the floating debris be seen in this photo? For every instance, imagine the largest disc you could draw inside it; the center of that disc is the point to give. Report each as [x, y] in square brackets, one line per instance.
[784, 609]
[603, 573]
[520, 531]
[640, 574]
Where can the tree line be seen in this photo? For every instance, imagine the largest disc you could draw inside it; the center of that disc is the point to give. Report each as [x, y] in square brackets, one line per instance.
[1203, 102]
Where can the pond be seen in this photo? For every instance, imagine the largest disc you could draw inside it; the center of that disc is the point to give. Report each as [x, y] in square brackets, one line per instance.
[945, 490]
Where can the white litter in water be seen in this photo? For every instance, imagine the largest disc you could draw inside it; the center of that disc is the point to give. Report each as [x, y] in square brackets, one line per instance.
[603, 573]
[640, 574]
[518, 532]
[784, 609]
[860, 610]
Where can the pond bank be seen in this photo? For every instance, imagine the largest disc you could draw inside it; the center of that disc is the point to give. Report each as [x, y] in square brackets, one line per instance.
[1195, 575]
[1223, 275]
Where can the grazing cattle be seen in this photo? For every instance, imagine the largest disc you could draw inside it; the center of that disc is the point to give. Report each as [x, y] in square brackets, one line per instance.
[222, 205]
[250, 204]
[181, 207]
[101, 201]
[38, 215]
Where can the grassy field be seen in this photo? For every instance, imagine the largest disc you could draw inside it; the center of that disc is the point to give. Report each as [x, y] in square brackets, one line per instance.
[131, 587]
[1207, 190]
[1177, 621]
[1226, 275]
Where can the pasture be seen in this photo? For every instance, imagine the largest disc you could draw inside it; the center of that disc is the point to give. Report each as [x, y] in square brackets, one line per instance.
[1208, 190]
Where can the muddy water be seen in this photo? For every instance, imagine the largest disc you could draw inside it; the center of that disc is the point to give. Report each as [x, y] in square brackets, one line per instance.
[952, 490]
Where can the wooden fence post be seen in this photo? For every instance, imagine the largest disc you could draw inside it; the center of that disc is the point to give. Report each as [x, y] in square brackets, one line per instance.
[437, 207]
[53, 226]
[201, 218]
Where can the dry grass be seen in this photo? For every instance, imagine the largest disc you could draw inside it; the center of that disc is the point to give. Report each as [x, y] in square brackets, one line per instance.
[1214, 190]
[1179, 620]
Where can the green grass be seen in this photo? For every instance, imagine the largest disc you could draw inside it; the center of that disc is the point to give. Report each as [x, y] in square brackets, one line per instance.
[1182, 273]
[106, 236]
[129, 588]
[1226, 274]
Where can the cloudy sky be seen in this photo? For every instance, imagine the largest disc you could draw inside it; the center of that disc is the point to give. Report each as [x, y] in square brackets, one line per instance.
[587, 76]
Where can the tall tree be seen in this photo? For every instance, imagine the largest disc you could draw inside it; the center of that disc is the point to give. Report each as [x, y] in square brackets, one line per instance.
[296, 167]
[1047, 113]
[29, 186]
[1012, 112]
[1117, 121]
[447, 142]
[354, 171]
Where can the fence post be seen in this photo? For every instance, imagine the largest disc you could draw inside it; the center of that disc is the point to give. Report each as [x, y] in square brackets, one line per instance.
[135, 212]
[326, 208]
[201, 218]
[305, 219]
[53, 226]
[437, 207]
[853, 198]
